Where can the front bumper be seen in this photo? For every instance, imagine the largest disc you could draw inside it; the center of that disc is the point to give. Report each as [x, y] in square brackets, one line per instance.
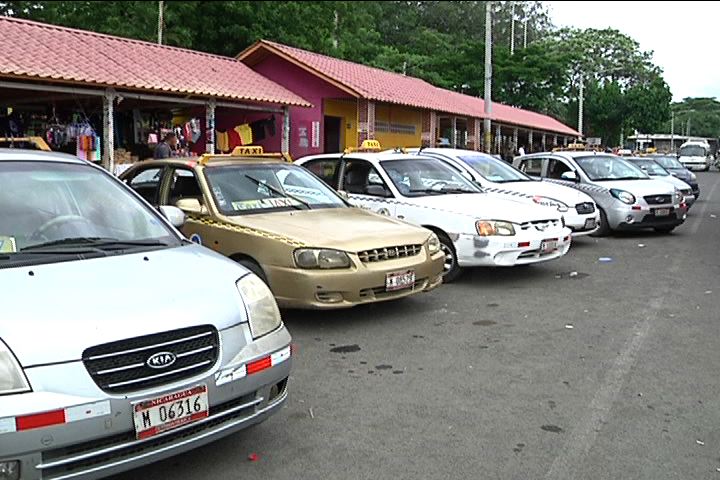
[362, 283]
[477, 251]
[638, 217]
[582, 224]
[98, 439]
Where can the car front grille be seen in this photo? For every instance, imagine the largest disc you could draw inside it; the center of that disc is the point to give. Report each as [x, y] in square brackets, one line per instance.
[541, 225]
[122, 366]
[389, 253]
[658, 199]
[585, 208]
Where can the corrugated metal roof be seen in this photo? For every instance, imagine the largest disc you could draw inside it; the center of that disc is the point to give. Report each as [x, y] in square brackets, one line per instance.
[384, 86]
[39, 51]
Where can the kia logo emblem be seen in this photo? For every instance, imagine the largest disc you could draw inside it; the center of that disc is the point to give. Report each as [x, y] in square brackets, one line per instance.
[161, 360]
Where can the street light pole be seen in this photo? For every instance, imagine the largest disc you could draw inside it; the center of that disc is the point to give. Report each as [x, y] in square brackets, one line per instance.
[161, 21]
[672, 131]
[581, 101]
[488, 76]
[512, 29]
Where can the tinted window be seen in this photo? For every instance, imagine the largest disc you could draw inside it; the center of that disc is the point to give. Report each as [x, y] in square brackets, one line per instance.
[607, 167]
[326, 169]
[532, 166]
[426, 176]
[556, 168]
[184, 185]
[147, 183]
[362, 178]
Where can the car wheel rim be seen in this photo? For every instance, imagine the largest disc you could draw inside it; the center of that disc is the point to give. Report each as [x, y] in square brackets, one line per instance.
[449, 258]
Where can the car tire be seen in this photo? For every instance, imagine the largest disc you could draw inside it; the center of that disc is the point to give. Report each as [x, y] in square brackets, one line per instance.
[253, 266]
[451, 269]
[664, 230]
[604, 227]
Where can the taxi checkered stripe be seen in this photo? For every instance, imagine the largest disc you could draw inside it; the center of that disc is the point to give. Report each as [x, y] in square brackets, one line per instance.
[240, 229]
[507, 192]
[392, 201]
[583, 187]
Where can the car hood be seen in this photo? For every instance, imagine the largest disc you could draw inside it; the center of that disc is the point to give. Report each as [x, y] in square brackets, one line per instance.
[569, 196]
[348, 229]
[489, 206]
[681, 173]
[639, 187]
[64, 308]
[675, 182]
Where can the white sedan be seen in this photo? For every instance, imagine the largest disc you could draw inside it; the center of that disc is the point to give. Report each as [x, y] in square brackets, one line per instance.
[475, 228]
[493, 175]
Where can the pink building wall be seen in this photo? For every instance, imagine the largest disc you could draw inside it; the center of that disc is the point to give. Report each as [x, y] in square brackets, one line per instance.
[304, 140]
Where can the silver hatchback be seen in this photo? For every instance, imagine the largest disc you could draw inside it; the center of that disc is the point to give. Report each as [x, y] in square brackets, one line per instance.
[121, 343]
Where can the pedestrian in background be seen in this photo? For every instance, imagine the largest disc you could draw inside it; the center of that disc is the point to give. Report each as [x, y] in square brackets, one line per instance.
[166, 147]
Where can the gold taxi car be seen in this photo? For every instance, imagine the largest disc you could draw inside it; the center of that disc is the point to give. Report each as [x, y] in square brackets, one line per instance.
[293, 231]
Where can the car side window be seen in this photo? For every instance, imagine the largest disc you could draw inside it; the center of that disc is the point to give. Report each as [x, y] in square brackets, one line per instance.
[556, 168]
[183, 184]
[532, 166]
[146, 182]
[362, 178]
[327, 169]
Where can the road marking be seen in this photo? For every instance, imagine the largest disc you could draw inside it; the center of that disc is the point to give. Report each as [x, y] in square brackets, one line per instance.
[583, 436]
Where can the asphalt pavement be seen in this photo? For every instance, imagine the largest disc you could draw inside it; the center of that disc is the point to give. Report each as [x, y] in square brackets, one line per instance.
[574, 369]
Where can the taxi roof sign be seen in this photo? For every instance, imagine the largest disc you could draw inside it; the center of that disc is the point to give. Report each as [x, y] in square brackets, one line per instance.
[366, 146]
[242, 152]
[247, 151]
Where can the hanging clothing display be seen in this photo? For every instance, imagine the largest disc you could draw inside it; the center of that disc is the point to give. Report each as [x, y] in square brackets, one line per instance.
[222, 142]
[246, 134]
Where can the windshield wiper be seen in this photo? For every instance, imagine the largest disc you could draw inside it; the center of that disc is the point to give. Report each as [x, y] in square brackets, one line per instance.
[280, 192]
[427, 190]
[92, 244]
[459, 190]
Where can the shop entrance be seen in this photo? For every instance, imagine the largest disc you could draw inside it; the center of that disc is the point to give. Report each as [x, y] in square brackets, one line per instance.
[333, 126]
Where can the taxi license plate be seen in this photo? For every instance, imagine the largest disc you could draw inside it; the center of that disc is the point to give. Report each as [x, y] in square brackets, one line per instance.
[662, 212]
[590, 223]
[170, 411]
[399, 280]
[547, 246]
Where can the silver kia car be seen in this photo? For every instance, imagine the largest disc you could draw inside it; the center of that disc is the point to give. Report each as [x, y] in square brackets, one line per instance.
[121, 343]
[628, 199]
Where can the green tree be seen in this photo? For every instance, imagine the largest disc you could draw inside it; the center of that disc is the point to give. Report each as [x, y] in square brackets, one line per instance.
[701, 114]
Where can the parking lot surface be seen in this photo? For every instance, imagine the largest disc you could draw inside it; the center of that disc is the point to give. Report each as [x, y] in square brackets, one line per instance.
[578, 368]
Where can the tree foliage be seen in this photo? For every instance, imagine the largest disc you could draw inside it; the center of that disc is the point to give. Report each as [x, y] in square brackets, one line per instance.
[441, 42]
[702, 115]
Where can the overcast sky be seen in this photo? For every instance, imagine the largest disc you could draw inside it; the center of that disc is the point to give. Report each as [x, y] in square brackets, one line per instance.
[684, 36]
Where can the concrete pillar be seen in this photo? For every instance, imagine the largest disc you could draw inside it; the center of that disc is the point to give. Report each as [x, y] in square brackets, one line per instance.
[555, 144]
[366, 120]
[108, 158]
[477, 124]
[428, 136]
[285, 141]
[530, 142]
[515, 140]
[498, 139]
[544, 148]
[210, 126]
[453, 132]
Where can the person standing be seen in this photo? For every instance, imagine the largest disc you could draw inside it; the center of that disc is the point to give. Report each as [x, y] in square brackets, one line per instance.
[166, 147]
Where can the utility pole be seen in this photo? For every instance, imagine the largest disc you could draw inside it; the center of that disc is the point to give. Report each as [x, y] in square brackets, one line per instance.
[525, 33]
[512, 29]
[581, 101]
[336, 22]
[687, 128]
[672, 131]
[488, 76]
[404, 68]
[161, 21]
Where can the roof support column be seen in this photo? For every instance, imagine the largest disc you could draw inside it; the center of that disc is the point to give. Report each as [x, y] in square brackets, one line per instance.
[515, 145]
[429, 128]
[555, 144]
[453, 131]
[285, 141]
[210, 126]
[544, 148]
[108, 159]
[498, 138]
[530, 142]
[366, 120]
[476, 136]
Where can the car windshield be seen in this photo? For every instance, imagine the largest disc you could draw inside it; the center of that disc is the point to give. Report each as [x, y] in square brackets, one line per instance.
[668, 162]
[246, 189]
[419, 177]
[68, 209]
[608, 167]
[650, 167]
[494, 170]
[692, 151]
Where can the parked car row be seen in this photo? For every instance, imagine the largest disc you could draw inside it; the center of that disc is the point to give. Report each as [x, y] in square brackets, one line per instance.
[188, 344]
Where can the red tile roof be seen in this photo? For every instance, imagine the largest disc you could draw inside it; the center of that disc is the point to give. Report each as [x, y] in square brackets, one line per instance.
[38, 51]
[384, 86]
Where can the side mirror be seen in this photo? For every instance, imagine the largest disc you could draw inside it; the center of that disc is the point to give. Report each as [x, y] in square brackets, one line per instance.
[175, 216]
[570, 176]
[191, 205]
[376, 191]
[344, 195]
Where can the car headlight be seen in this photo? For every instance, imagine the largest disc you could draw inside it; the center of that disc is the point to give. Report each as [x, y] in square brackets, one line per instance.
[12, 378]
[433, 244]
[693, 176]
[321, 258]
[262, 310]
[623, 196]
[487, 228]
[679, 196]
[550, 202]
